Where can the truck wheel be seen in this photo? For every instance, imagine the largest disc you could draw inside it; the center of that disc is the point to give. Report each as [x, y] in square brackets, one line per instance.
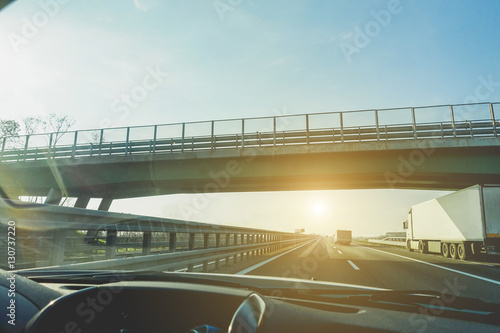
[445, 250]
[462, 254]
[408, 245]
[453, 250]
[422, 248]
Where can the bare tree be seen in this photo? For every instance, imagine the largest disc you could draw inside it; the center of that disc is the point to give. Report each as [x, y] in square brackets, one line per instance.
[9, 129]
[58, 124]
[52, 123]
[32, 124]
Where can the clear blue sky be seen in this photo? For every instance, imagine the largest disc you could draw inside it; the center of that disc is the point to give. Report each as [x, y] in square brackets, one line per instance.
[202, 60]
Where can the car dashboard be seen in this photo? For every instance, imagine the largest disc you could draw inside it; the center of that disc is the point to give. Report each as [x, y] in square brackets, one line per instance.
[157, 306]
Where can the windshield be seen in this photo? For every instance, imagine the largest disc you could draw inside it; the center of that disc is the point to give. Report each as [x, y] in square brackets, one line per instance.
[354, 143]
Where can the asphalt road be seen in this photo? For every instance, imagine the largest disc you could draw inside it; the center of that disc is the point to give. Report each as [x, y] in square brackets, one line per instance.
[382, 267]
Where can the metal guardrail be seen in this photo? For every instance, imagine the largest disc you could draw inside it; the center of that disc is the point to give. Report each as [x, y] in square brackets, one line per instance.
[186, 259]
[106, 234]
[457, 121]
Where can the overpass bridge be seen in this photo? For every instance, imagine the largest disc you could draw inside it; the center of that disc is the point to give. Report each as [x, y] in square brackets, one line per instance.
[435, 147]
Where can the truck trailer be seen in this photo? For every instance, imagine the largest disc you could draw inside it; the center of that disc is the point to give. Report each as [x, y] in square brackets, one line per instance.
[343, 237]
[457, 225]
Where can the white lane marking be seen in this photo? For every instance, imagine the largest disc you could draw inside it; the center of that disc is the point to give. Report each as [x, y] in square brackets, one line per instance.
[332, 245]
[331, 251]
[438, 266]
[251, 268]
[353, 266]
[339, 251]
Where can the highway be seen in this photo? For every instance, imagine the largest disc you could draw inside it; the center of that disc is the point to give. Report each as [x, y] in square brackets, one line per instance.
[380, 267]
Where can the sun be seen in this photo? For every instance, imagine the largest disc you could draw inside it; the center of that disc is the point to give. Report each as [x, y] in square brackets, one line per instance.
[318, 208]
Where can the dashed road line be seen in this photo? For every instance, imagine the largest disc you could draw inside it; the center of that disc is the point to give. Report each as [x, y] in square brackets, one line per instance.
[353, 265]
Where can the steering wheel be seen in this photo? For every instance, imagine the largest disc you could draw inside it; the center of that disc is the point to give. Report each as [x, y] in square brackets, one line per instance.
[249, 315]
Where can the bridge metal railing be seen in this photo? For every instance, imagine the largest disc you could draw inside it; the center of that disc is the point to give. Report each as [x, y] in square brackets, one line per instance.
[48, 235]
[413, 123]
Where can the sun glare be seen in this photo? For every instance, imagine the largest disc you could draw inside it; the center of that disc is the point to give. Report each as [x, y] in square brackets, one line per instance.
[318, 209]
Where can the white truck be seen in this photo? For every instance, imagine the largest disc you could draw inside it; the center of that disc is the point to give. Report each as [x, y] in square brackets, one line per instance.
[343, 237]
[457, 225]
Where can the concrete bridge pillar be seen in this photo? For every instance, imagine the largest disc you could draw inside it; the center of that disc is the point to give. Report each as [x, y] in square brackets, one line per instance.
[105, 204]
[82, 201]
[53, 197]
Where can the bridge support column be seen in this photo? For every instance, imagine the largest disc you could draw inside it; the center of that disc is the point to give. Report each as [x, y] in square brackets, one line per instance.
[53, 197]
[58, 246]
[191, 241]
[217, 240]
[82, 201]
[111, 236]
[105, 204]
[228, 237]
[172, 242]
[235, 239]
[146, 243]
